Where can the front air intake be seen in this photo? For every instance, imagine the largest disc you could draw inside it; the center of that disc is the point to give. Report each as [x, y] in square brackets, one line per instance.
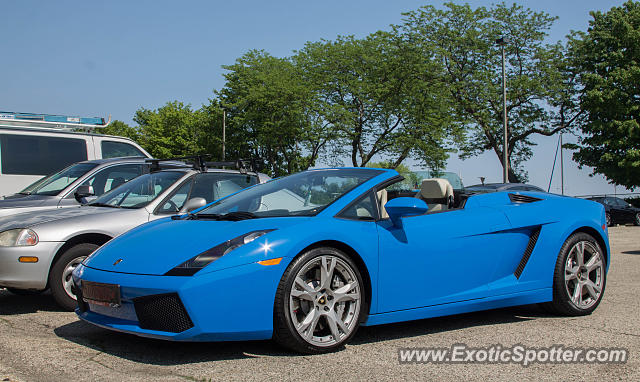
[162, 312]
[519, 198]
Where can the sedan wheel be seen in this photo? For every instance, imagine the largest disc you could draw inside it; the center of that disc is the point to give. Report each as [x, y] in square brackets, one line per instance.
[607, 218]
[60, 280]
[637, 218]
[319, 302]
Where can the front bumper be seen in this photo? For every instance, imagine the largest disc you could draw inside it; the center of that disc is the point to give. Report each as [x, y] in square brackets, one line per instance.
[14, 274]
[226, 305]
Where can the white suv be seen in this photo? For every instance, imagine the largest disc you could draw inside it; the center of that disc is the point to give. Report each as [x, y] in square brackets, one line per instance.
[35, 145]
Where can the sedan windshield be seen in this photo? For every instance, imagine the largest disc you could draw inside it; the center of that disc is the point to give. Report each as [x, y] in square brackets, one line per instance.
[140, 191]
[302, 194]
[53, 184]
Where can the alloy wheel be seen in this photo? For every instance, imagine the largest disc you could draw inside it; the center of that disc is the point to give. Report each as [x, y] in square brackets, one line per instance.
[583, 274]
[325, 301]
[67, 281]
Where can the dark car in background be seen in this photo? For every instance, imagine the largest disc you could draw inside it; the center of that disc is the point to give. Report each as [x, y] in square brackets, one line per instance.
[618, 211]
[495, 187]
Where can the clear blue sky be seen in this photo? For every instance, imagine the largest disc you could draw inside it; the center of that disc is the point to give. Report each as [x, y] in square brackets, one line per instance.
[112, 57]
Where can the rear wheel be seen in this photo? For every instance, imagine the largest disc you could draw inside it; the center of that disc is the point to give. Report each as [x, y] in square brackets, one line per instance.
[637, 222]
[60, 280]
[607, 218]
[318, 302]
[580, 277]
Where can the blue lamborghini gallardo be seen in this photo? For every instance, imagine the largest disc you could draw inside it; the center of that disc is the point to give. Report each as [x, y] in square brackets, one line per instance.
[307, 258]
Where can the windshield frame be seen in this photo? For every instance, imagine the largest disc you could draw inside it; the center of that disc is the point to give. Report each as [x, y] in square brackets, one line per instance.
[371, 173]
[42, 182]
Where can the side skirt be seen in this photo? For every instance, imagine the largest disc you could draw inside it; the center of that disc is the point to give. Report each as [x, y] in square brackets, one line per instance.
[493, 302]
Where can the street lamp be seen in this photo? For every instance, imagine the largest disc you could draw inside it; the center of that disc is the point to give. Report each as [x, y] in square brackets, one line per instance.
[502, 41]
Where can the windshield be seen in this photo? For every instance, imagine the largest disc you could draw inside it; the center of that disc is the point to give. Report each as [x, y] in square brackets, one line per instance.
[302, 194]
[140, 191]
[53, 184]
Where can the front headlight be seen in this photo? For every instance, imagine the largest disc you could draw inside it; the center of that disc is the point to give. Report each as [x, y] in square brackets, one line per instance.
[20, 237]
[193, 265]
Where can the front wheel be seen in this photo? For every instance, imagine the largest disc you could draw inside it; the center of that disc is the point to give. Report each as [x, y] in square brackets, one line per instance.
[60, 280]
[637, 222]
[607, 218]
[319, 302]
[580, 276]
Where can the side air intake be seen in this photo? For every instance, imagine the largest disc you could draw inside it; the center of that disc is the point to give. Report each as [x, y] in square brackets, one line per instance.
[519, 198]
[527, 252]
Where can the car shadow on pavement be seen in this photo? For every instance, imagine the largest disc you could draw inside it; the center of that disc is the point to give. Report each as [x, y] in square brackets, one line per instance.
[11, 304]
[158, 352]
[631, 252]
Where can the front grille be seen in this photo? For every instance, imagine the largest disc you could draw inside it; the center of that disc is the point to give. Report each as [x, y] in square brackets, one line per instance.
[533, 239]
[162, 312]
[519, 198]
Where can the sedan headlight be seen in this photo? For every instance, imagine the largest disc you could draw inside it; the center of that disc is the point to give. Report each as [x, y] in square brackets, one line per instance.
[19, 237]
[193, 265]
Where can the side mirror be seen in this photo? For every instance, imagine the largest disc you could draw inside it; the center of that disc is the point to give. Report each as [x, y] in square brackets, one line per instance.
[82, 192]
[400, 207]
[193, 204]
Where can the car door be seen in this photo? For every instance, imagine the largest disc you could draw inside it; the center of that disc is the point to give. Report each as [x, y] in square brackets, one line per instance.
[439, 257]
[627, 213]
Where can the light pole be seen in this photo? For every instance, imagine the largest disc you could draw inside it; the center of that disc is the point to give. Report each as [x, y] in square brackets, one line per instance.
[502, 41]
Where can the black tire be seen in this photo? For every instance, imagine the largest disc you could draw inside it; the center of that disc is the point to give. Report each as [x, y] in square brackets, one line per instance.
[562, 303]
[607, 218]
[75, 253]
[284, 331]
[25, 292]
[637, 221]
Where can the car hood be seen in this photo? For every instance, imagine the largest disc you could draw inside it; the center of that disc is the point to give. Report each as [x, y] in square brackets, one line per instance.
[34, 218]
[157, 247]
[18, 201]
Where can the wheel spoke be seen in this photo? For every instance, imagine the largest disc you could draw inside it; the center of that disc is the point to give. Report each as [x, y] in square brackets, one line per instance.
[593, 289]
[577, 295]
[344, 293]
[571, 274]
[594, 263]
[303, 294]
[580, 253]
[326, 271]
[333, 325]
[308, 325]
[307, 288]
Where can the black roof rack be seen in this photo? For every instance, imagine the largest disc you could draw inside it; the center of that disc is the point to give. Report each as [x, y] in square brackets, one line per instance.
[200, 163]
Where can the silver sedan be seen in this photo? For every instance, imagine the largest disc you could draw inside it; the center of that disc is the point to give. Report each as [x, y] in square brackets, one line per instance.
[39, 250]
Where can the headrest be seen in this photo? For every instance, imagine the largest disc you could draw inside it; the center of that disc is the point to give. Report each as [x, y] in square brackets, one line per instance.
[435, 188]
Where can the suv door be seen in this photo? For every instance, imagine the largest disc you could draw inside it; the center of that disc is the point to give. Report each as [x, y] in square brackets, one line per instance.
[106, 179]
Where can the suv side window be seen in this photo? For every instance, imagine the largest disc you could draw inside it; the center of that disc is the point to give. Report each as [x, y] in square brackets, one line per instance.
[38, 155]
[112, 149]
[363, 209]
[111, 177]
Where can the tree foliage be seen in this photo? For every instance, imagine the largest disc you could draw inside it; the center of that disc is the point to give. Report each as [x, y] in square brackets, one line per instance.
[608, 56]
[381, 97]
[273, 114]
[463, 39]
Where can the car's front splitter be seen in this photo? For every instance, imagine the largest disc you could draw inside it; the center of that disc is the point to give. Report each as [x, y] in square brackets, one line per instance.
[229, 304]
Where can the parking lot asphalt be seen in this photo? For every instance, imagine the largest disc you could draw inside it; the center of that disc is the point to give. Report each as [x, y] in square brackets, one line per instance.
[40, 343]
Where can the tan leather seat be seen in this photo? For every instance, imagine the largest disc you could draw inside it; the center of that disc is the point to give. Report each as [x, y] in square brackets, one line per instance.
[382, 198]
[437, 193]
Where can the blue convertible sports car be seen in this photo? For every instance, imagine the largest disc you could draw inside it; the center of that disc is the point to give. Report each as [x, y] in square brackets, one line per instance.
[305, 259]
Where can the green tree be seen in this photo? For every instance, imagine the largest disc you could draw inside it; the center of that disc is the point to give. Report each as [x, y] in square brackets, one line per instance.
[121, 129]
[380, 96]
[272, 113]
[538, 101]
[172, 130]
[608, 57]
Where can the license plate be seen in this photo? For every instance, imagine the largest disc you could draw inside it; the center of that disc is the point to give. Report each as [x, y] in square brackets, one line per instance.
[101, 294]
